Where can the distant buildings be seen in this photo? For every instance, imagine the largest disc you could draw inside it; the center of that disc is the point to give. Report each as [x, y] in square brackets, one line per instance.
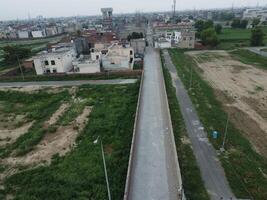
[181, 35]
[251, 14]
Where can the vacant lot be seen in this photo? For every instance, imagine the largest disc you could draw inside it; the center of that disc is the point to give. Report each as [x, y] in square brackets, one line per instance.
[243, 90]
[246, 170]
[47, 141]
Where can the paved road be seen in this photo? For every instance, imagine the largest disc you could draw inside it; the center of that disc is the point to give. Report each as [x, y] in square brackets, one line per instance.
[155, 173]
[257, 50]
[210, 167]
[66, 83]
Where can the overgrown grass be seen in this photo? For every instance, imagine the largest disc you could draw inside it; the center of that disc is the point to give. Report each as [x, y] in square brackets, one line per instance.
[244, 168]
[235, 38]
[250, 58]
[80, 174]
[193, 184]
[37, 107]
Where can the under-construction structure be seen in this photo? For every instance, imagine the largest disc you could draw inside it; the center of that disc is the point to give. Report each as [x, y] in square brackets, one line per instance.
[107, 18]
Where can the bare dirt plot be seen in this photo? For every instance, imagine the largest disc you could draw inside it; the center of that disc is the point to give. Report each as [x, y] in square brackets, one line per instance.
[54, 118]
[59, 142]
[242, 89]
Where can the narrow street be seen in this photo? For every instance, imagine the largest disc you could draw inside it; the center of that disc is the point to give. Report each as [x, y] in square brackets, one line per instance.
[155, 173]
[210, 166]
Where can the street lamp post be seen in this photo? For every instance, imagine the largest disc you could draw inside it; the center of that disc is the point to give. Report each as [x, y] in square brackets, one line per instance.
[20, 67]
[105, 167]
[225, 133]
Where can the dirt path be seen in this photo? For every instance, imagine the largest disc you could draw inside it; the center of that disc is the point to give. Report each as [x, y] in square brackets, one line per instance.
[243, 91]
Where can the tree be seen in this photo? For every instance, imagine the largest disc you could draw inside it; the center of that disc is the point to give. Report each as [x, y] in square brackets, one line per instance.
[135, 35]
[209, 37]
[255, 22]
[218, 28]
[12, 53]
[236, 23]
[199, 25]
[257, 37]
[208, 24]
[243, 23]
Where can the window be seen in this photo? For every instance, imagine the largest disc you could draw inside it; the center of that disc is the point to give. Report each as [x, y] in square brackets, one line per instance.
[53, 62]
[184, 38]
[97, 57]
[46, 62]
[131, 52]
[48, 71]
[54, 70]
[191, 38]
[131, 60]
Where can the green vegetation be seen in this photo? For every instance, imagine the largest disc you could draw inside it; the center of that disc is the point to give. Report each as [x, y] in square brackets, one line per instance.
[257, 37]
[35, 45]
[37, 107]
[192, 181]
[209, 37]
[135, 35]
[264, 50]
[13, 53]
[234, 38]
[218, 28]
[248, 57]
[238, 23]
[80, 174]
[244, 168]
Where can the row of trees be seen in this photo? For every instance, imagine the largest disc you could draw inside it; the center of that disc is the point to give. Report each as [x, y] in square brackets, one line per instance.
[135, 35]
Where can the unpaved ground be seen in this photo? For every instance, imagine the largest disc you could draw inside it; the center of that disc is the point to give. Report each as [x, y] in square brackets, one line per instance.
[54, 118]
[8, 136]
[59, 142]
[243, 90]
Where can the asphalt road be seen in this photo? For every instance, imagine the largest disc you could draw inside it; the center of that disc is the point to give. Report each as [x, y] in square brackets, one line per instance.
[257, 50]
[155, 175]
[66, 83]
[210, 167]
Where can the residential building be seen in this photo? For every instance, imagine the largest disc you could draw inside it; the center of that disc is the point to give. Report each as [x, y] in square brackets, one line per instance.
[58, 60]
[255, 13]
[38, 34]
[118, 58]
[23, 34]
[85, 65]
[139, 45]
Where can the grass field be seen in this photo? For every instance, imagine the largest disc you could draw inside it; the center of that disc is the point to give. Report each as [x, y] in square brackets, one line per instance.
[35, 45]
[245, 169]
[79, 173]
[248, 57]
[234, 38]
[193, 185]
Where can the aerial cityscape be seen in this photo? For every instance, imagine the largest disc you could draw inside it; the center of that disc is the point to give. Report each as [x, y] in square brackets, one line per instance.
[143, 100]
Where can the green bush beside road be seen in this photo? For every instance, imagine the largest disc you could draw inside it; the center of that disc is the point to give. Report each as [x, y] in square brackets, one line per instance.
[244, 168]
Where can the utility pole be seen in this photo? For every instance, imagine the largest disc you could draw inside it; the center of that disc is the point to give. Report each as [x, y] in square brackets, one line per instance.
[191, 77]
[225, 132]
[21, 71]
[105, 167]
[174, 9]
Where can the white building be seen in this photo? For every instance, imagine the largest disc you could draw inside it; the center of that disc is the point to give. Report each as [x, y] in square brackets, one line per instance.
[255, 13]
[59, 60]
[118, 58]
[38, 34]
[162, 43]
[139, 45]
[23, 34]
[85, 65]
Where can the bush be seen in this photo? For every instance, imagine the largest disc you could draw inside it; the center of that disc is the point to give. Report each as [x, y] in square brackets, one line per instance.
[209, 37]
[257, 37]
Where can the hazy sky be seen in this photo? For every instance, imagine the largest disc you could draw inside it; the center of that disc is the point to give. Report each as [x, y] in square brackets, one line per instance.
[13, 9]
